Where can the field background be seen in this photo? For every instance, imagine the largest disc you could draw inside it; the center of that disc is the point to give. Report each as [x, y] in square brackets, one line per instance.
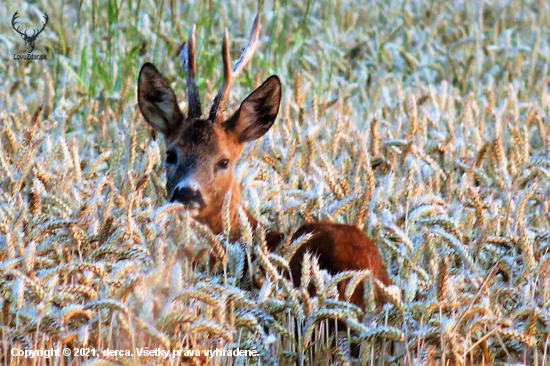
[424, 122]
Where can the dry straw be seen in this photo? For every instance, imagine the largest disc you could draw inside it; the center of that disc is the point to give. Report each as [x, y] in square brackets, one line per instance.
[424, 125]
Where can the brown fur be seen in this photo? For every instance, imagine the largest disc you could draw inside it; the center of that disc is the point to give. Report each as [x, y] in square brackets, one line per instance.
[341, 248]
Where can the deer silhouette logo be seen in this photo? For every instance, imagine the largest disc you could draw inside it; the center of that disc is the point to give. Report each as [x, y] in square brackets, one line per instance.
[29, 39]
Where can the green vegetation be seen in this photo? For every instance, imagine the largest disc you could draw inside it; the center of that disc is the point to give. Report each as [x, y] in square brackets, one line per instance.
[448, 100]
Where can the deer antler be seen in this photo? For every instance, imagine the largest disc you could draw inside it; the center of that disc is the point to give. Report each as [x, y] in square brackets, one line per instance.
[43, 24]
[187, 57]
[35, 33]
[15, 16]
[230, 75]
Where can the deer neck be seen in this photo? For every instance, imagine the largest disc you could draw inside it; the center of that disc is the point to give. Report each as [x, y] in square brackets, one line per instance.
[215, 220]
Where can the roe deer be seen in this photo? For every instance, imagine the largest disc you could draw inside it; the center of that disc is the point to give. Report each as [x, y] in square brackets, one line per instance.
[201, 155]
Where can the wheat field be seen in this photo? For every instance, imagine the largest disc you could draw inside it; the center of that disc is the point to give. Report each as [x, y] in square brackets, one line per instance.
[425, 123]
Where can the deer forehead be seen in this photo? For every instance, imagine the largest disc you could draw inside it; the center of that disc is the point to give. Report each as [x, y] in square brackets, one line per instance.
[203, 139]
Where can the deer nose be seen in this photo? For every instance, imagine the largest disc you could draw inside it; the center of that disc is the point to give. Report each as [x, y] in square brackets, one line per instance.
[186, 196]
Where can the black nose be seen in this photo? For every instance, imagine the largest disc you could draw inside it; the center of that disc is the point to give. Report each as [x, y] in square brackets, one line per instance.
[185, 195]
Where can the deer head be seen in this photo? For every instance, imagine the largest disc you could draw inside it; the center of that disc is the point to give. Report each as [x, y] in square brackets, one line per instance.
[201, 153]
[29, 40]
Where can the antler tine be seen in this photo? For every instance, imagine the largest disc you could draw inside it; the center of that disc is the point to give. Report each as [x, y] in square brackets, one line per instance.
[187, 56]
[230, 75]
[223, 92]
[46, 18]
[13, 22]
[250, 48]
[227, 75]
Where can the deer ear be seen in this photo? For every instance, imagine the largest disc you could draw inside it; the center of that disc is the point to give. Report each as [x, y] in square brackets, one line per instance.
[157, 100]
[257, 112]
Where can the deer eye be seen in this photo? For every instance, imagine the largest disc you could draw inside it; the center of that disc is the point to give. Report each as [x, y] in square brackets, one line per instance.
[222, 164]
[171, 157]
